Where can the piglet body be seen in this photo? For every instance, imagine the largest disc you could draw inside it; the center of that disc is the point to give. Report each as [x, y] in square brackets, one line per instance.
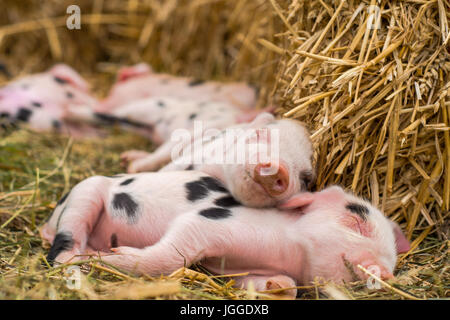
[158, 117]
[139, 81]
[43, 100]
[156, 223]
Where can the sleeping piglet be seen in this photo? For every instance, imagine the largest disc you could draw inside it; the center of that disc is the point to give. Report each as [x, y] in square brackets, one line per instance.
[42, 100]
[157, 117]
[155, 223]
[276, 162]
[139, 81]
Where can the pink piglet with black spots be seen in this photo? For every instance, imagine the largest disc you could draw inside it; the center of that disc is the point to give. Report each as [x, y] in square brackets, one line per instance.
[44, 101]
[140, 81]
[155, 223]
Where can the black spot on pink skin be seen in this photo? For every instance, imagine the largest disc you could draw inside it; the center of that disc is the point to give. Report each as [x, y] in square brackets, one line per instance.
[196, 190]
[126, 182]
[123, 201]
[196, 82]
[64, 197]
[215, 213]
[56, 124]
[192, 116]
[227, 202]
[60, 80]
[24, 114]
[359, 209]
[113, 119]
[199, 189]
[36, 104]
[60, 216]
[63, 241]
[69, 95]
[190, 167]
[114, 241]
[161, 104]
[213, 184]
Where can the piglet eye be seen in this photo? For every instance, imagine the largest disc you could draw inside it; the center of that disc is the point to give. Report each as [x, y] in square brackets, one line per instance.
[306, 179]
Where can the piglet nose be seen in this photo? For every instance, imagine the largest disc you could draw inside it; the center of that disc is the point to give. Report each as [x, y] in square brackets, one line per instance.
[274, 181]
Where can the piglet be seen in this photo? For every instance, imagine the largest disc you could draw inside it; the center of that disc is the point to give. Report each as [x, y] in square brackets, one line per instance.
[274, 163]
[139, 81]
[43, 100]
[156, 223]
[156, 118]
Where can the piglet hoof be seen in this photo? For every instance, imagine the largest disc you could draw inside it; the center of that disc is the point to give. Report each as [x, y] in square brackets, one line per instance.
[376, 269]
[281, 282]
[124, 258]
[142, 165]
[130, 156]
[133, 167]
[67, 257]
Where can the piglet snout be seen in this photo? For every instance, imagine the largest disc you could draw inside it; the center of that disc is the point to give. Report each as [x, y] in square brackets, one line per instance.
[275, 182]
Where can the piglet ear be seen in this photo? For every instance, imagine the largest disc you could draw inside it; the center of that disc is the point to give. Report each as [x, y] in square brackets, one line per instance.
[297, 201]
[401, 242]
[262, 119]
[65, 73]
[126, 73]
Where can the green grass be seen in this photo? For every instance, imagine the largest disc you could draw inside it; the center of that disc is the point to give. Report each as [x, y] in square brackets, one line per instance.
[37, 169]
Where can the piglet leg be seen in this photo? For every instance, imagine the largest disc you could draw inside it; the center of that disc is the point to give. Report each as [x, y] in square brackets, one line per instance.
[132, 155]
[189, 239]
[153, 160]
[76, 220]
[263, 283]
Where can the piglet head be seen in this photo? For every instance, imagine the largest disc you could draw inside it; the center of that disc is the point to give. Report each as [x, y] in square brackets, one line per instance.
[137, 70]
[278, 162]
[62, 73]
[341, 231]
[125, 88]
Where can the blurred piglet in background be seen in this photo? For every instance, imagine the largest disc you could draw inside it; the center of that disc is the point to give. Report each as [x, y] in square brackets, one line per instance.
[156, 223]
[139, 81]
[43, 101]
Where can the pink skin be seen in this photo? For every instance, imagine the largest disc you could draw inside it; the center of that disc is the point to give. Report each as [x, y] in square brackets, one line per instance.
[249, 182]
[49, 97]
[278, 248]
[139, 81]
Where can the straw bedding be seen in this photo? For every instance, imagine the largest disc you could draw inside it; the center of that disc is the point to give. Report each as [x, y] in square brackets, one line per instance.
[375, 95]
